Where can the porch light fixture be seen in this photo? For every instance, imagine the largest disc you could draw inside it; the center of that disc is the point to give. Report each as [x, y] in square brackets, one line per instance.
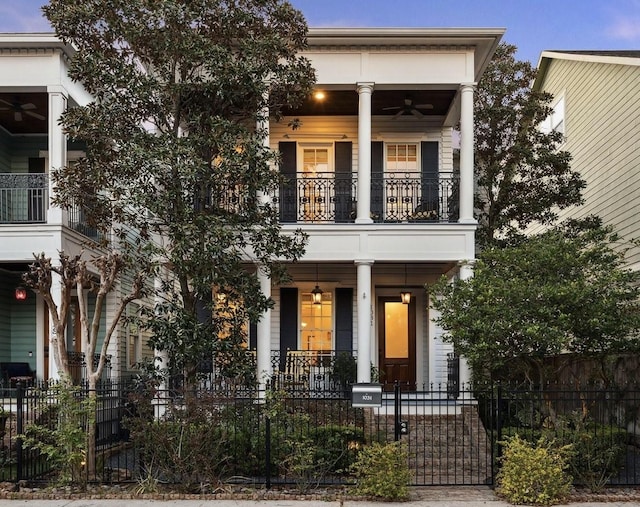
[20, 294]
[405, 294]
[316, 293]
[319, 95]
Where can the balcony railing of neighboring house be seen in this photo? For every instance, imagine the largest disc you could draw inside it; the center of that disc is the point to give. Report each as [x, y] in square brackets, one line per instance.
[78, 366]
[332, 198]
[23, 198]
[78, 222]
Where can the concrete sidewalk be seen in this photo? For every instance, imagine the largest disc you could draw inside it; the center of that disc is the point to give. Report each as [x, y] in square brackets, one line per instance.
[463, 496]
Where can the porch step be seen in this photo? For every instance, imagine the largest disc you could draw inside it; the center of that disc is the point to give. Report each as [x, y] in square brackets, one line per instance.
[444, 448]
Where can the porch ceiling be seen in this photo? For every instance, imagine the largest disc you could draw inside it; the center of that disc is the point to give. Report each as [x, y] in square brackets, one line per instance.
[24, 113]
[345, 102]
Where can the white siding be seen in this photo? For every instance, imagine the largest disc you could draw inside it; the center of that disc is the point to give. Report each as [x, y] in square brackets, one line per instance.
[602, 127]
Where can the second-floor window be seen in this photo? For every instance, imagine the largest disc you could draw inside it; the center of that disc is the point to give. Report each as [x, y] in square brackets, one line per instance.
[402, 158]
[316, 189]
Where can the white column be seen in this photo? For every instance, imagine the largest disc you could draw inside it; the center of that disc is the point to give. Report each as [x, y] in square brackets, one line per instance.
[57, 144]
[364, 305]
[466, 272]
[364, 153]
[262, 125]
[263, 351]
[466, 154]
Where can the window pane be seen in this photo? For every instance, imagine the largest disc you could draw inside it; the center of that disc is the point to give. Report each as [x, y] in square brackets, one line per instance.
[396, 330]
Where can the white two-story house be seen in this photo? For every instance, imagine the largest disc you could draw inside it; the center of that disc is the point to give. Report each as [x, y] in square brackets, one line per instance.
[372, 176]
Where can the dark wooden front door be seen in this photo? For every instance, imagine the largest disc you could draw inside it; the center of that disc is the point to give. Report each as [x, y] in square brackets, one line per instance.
[397, 339]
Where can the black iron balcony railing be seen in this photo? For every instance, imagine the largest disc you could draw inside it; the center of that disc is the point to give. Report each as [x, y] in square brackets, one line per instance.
[78, 366]
[78, 222]
[332, 198]
[23, 198]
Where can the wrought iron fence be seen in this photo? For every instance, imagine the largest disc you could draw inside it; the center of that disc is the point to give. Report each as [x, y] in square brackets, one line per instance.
[23, 198]
[78, 366]
[266, 437]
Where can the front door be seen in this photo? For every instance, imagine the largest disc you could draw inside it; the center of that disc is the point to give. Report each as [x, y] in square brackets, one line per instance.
[397, 339]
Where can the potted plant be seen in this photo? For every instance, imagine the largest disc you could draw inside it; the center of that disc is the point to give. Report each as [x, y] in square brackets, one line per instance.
[344, 371]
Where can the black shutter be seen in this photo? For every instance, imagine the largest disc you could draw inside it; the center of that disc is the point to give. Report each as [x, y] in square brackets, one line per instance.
[253, 335]
[343, 180]
[36, 165]
[36, 202]
[288, 322]
[377, 181]
[430, 199]
[344, 319]
[288, 167]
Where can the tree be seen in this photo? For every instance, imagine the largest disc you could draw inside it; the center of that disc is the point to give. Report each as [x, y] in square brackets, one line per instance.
[565, 290]
[175, 149]
[522, 175]
[79, 278]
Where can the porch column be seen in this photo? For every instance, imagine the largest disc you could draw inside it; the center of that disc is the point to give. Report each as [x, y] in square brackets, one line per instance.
[57, 145]
[364, 305]
[262, 126]
[466, 154]
[263, 352]
[465, 272]
[364, 153]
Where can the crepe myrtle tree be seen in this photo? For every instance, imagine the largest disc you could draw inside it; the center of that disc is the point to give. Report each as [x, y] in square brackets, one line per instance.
[182, 93]
[77, 278]
[523, 176]
[565, 290]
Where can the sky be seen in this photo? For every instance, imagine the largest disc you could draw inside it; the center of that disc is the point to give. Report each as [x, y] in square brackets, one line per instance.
[532, 25]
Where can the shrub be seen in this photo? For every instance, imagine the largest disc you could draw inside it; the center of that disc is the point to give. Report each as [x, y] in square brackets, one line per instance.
[533, 473]
[382, 471]
[598, 449]
[60, 433]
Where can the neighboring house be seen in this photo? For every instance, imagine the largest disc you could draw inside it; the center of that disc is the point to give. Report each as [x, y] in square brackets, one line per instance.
[34, 91]
[597, 108]
[370, 178]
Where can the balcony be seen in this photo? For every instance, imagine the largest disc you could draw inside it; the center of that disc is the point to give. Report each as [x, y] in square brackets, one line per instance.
[332, 198]
[23, 198]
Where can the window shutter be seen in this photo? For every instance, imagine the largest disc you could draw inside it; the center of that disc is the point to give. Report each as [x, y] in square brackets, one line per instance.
[343, 181]
[430, 199]
[288, 322]
[377, 181]
[288, 167]
[344, 319]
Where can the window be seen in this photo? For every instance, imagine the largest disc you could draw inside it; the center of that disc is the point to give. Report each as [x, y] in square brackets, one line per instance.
[402, 182]
[315, 189]
[555, 121]
[134, 345]
[316, 323]
[402, 158]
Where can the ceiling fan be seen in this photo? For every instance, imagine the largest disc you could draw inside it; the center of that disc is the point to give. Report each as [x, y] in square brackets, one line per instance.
[409, 108]
[20, 109]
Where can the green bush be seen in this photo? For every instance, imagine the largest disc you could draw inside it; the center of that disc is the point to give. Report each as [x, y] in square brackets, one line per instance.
[382, 471]
[533, 473]
[598, 450]
[60, 433]
[336, 446]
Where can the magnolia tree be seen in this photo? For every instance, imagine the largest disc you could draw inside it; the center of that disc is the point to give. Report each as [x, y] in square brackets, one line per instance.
[566, 290]
[175, 150]
[522, 175]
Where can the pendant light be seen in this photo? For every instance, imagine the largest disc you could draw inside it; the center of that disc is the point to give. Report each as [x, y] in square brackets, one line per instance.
[20, 294]
[316, 293]
[405, 294]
